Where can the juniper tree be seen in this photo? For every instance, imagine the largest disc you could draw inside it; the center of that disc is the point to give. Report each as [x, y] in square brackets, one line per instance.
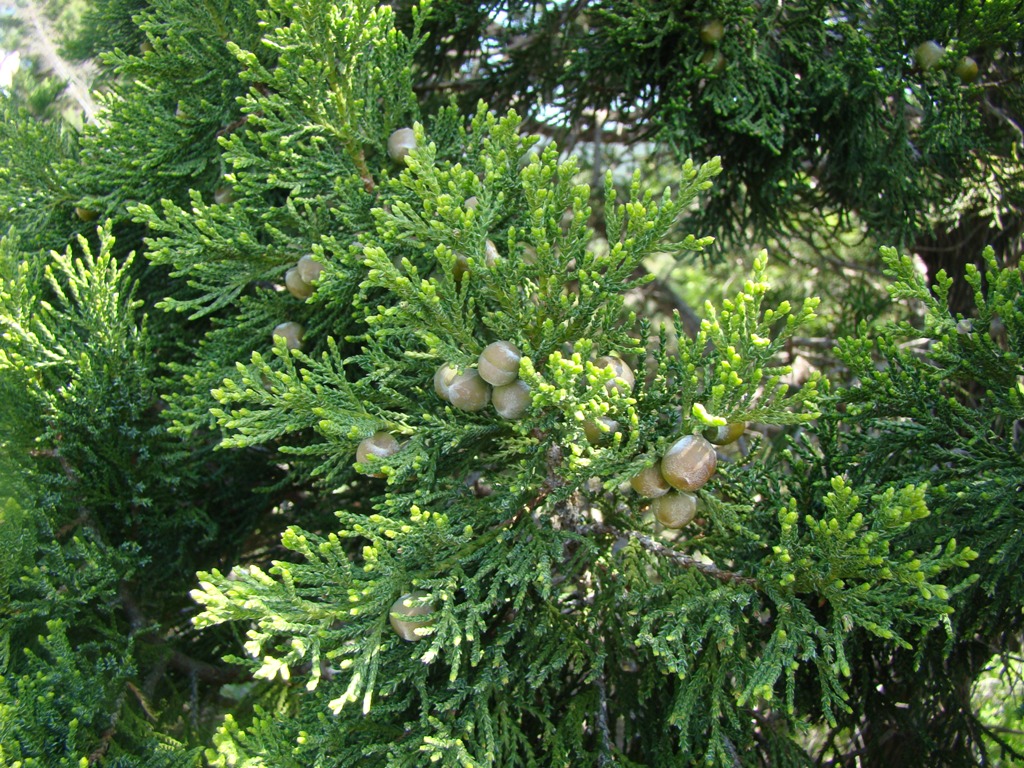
[274, 364]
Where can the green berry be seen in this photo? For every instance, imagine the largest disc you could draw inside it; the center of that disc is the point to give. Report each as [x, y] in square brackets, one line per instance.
[468, 392]
[624, 379]
[725, 435]
[403, 613]
[713, 60]
[689, 463]
[674, 510]
[380, 445]
[512, 401]
[967, 70]
[292, 334]
[498, 364]
[400, 143]
[650, 483]
[928, 54]
[296, 286]
[712, 32]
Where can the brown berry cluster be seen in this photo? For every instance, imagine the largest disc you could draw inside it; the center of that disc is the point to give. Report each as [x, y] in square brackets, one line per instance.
[686, 466]
[495, 380]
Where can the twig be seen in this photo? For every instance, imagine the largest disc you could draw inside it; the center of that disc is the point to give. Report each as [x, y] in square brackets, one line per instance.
[605, 757]
[657, 548]
[232, 127]
[992, 109]
[737, 763]
[182, 662]
[43, 45]
[108, 735]
[83, 513]
[664, 294]
[991, 732]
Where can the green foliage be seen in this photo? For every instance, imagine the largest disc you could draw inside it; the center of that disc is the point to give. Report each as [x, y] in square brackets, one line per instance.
[160, 128]
[497, 562]
[69, 694]
[850, 544]
[34, 197]
[949, 415]
[105, 25]
[938, 405]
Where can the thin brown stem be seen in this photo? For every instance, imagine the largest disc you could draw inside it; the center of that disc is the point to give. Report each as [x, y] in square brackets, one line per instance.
[182, 662]
[108, 735]
[681, 558]
[44, 43]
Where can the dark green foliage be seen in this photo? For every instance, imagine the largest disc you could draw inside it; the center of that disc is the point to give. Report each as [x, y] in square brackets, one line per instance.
[105, 25]
[949, 408]
[813, 107]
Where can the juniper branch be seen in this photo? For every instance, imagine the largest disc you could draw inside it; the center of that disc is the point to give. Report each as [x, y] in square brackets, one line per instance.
[659, 549]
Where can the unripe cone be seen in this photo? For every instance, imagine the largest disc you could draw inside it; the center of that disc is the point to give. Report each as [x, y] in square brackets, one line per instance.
[399, 144]
[712, 32]
[443, 378]
[405, 609]
[689, 463]
[309, 269]
[600, 431]
[967, 70]
[296, 286]
[86, 214]
[928, 54]
[512, 401]
[714, 61]
[381, 445]
[725, 435]
[624, 379]
[468, 392]
[650, 483]
[291, 332]
[674, 510]
[498, 364]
